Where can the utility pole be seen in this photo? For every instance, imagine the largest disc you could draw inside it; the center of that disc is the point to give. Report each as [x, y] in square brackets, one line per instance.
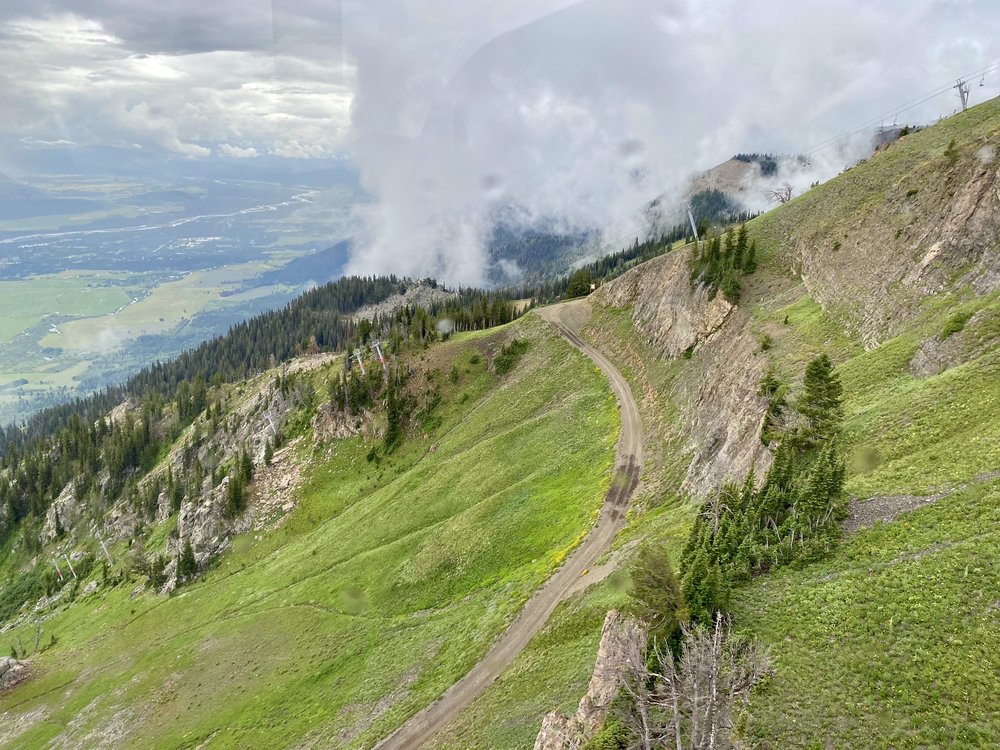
[66, 558]
[56, 566]
[377, 346]
[105, 548]
[963, 93]
[361, 364]
[694, 229]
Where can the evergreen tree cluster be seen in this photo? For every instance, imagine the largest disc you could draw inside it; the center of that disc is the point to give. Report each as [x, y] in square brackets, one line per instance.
[712, 206]
[747, 530]
[722, 261]
[794, 515]
[107, 460]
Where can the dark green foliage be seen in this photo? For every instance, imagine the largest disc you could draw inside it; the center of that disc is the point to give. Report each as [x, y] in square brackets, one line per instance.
[821, 402]
[579, 283]
[187, 565]
[951, 153]
[398, 405]
[794, 515]
[25, 587]
[235, 496]
[156, 572]
[720, 266]
[911, 192]
[68, 445]
[268, 453]
[612, 736]
[509, 355]
[954, 324]
[768, 162]
[656, 593]
[775, 392]
[766, 342]
[750, 261]
[712, 205]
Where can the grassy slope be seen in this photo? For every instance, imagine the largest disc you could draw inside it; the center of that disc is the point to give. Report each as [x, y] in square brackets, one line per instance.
[839, 659]
[385, 586]
[891, 641]
[553, 672]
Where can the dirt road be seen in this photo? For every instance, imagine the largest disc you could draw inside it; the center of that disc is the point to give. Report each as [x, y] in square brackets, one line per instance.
[565, 318]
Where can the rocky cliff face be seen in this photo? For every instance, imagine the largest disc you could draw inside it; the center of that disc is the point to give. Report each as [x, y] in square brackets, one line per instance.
[571, 732]
[718, 397]
[915, 221]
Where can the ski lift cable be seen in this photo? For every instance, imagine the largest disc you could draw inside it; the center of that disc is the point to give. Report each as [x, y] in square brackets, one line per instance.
[927, 96]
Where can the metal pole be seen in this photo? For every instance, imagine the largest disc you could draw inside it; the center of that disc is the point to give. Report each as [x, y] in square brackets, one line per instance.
[694, 229]
[66, 558]
[56, 565]
[105, 548]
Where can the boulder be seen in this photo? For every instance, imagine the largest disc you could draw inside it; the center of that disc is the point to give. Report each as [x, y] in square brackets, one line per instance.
[12, 672]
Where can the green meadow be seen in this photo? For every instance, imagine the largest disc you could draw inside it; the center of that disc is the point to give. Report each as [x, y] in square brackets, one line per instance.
[386, 584]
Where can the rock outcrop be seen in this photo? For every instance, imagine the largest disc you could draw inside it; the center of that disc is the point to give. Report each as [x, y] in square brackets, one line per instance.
[674, 315]
[12, 672]
[941, 352]
[872, 263]
[64, 512]
[718, 399]
[560, 732]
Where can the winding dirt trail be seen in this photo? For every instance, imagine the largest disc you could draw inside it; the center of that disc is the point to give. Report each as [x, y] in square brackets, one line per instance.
[566, 319]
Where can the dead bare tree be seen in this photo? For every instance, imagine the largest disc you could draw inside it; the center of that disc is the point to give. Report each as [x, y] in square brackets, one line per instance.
[686, 702]
[639, 684]
[782, 194]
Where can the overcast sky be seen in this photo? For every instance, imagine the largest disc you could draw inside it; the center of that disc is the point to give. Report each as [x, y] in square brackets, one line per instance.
[574, 112]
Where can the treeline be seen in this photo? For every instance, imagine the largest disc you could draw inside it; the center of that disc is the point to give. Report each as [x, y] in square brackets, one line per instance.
[104, 459]
[536, 252]
[577, 284]
[320, 316]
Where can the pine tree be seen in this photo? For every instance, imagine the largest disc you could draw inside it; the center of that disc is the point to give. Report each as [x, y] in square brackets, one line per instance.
[821, 402]
[656, 592]
[741, 247]
[187, 565]
[750, 261]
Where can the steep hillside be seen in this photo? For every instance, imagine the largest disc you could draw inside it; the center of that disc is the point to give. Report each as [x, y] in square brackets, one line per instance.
[892, 270]
[384, 584]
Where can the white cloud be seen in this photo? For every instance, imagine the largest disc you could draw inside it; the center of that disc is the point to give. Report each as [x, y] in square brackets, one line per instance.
[237, 152]
[70, 79]
[582, 112]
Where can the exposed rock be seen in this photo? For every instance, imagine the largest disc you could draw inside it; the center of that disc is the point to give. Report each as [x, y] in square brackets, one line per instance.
[204, 524]
[420, 295]
[937, 355]
[718, 399]
[68, 511]
[557, 733]
[163, 507]
[273, 492]
[675, 316]
[871, 265]
[12, 672]
[332, 424]
[568, 733]
[90, 588]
